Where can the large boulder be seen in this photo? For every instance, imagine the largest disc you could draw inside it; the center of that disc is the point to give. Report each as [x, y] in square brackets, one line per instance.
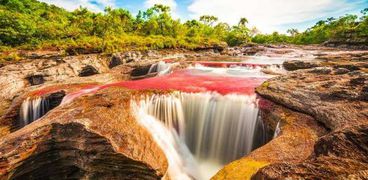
[336, 100]
[298, 64]
[95, 136]
[339, 155]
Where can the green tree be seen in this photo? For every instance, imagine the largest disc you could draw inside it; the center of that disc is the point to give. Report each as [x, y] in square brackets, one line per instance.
[208, 20]
[243, 22]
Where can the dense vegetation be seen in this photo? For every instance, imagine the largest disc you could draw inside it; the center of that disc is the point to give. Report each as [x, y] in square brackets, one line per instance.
[29, 24]
[346, 28]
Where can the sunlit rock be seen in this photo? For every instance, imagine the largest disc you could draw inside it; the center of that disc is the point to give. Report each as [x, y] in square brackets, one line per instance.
[95, 136]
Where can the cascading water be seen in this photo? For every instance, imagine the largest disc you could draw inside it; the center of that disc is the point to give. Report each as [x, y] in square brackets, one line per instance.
[214, 116]
[216, 128]
[179, 167]
[168, 108]
[242, 70]
[33, 109]
[213, 119]
[161, 68]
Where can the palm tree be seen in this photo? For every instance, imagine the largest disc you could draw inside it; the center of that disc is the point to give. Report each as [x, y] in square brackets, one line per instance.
[243, 22]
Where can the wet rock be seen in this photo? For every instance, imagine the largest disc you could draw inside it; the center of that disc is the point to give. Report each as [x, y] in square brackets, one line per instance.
[116, 60]
[142, 70]
[35, 80]
[364, 93]
[88, 71]
[350, 67]
[94, 136]
[321, 70]
[55, 99]
[358, 81]
[341, 71]
[296, 64]
[355, 73]
[365, 89]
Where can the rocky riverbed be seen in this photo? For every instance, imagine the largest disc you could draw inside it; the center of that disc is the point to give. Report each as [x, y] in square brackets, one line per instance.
[322, 108]
[320, 105]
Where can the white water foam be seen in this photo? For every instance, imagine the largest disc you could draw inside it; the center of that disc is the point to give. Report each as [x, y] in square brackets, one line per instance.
[161, 68]
[216, 128]
[181, 163]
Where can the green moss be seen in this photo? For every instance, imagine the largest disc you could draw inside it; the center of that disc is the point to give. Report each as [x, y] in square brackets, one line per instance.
[265, 84]
[7, 57]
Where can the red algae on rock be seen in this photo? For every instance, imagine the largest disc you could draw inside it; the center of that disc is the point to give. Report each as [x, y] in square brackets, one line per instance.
[186, 81]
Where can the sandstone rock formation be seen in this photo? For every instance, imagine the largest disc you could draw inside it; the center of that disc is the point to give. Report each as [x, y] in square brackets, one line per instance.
[329, 98]
[336, 100]
[71, 141]
[339, 102]
[339, 155]
[93, 137]
[321, 108]
[297, 64]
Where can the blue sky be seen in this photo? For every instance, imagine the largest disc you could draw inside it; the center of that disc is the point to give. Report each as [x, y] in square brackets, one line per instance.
[266, 15]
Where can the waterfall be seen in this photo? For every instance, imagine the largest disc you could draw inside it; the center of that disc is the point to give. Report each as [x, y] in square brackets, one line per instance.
[277, 130]
[220, 128]
[33, 109]
[216, 128]
[181, 163]
[161, 68]
[167, 108]
[261, 137]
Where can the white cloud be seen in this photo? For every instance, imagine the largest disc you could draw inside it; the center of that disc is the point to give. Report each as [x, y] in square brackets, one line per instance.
[171, 3]
[96, 5]
[269, 15]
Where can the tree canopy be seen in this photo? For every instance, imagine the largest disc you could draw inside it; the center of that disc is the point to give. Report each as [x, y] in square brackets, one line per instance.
[29, 24]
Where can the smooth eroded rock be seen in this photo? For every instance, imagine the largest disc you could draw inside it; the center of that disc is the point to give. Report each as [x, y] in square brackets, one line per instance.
[95, 136]
[339, 155]
[298, 64]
